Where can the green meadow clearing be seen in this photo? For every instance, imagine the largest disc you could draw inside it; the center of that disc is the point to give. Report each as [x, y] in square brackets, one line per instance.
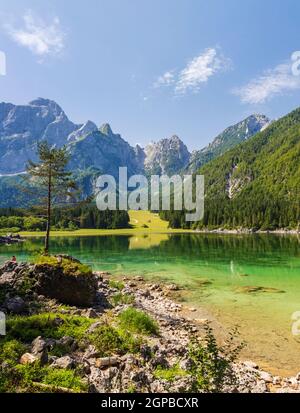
[140, 222]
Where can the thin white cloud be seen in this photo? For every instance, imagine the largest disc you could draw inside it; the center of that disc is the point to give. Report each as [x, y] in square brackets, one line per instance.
[41, 38]
[166, 79]
[197, 72]
[271, 83]
[200, 69]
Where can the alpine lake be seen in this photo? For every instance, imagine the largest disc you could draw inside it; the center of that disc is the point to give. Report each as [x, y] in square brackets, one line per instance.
[248, 281]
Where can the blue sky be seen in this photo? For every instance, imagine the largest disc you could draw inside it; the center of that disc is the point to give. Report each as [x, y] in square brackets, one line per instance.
[153, 68]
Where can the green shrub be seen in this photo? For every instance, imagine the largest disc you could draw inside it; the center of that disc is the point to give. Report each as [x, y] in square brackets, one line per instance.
[108, 340]
[47, 325]
[120, 298]
[60, 350]
[131, 389]
[11, 351]
[212, 364]
[5, 382]
[116, 284]
[63, 378]
[137, 321]
[170, 374]
[27, 375]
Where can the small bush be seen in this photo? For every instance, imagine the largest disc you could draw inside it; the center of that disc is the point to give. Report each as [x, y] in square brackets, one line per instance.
[137, 321]
[120, 298]
[108, 340]
[11, 351]
[60, 350]
[118, 285]
[212, 364]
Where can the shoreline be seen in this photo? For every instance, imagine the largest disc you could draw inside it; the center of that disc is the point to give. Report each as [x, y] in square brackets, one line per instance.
[163, 352]
[249, 231]
[197, 314]
[197, 318]
[132, 231]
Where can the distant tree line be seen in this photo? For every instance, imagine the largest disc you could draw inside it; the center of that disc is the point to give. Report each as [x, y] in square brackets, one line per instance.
[64, 218]
[259, 212]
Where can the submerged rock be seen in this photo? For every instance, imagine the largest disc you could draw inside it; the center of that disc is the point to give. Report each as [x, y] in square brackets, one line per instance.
[203, 282]
[248, 289]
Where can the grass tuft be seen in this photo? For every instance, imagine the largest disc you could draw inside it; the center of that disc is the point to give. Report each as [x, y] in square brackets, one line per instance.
[109, 340]
[170, 374]
[137, 321]
[47, 325]
[118, 285]
[120, 298]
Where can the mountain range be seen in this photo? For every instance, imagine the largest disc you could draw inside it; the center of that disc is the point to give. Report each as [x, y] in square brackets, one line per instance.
[252, 169]
[98, 148]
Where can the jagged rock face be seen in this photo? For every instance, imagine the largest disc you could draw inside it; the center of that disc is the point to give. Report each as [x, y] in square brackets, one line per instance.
[168, 156]
[106, 151]
[231, 137]
[84, 130]
[140, 154]
[22, 126]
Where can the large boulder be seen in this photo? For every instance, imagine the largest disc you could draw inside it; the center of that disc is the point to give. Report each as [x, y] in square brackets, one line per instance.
[54, 282]
[65, 283]
[15, 305]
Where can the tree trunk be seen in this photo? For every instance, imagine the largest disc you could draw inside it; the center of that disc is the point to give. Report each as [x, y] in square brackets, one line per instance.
[46, 248]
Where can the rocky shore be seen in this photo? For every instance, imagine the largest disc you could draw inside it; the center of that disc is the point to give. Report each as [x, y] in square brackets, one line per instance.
[154, 361]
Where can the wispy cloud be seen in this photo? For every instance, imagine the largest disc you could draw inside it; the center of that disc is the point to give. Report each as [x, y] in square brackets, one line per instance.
[41, 38]
[197, 72]
[166, 79]
[200, 69]
[272, 82]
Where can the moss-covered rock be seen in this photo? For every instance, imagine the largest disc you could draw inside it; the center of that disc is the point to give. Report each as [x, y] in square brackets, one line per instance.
[66, 280]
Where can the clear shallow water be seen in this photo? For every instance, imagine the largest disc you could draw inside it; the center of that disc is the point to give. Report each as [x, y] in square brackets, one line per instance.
[229, 263]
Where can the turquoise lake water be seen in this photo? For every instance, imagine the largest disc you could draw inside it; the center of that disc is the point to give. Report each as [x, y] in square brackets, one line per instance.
[215, 272]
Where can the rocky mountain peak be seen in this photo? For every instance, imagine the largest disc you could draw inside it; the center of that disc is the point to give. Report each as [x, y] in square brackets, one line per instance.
[83, 130]
[253, 124]
[168, 156]
[51, 105]
[229, 138]
[106, 129]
